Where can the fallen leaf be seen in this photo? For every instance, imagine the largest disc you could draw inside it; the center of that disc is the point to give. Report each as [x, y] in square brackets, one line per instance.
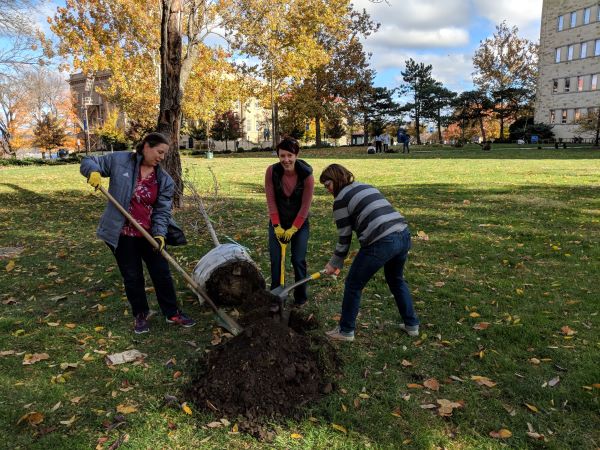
[69, 422]
[439, 284]
[126, 409]
[406, 363]
[10, 266]
[7, 352]
[295, 436]
[503, 433]
[364, 396]
[186, 409]
[70, 325]
[55, 407]
[335, 426]
[53, 324]
[534, 361]
[414, 386]
[446, 407]
[428, 406]
[432, 384]
[554, 381]
[483, 381]
[532, 408]
[32, 418]
[567, 331]
[33, 358]
[396, 412]
[422, 235]
[214, 425]
[481, 326]
[76, 399]
[177, 374]
[474, 315]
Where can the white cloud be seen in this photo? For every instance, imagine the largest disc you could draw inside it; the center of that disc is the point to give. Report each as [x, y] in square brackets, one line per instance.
[521, 13]
[394, 36]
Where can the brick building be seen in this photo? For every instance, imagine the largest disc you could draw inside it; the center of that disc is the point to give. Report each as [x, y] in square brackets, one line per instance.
[569, 65]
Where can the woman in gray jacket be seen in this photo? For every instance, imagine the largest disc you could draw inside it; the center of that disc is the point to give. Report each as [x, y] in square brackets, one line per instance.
[140, 185]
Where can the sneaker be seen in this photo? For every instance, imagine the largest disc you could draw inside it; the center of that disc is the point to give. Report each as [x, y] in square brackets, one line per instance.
[338, 335]
[181, 319]
[141, 323]
[410, 330]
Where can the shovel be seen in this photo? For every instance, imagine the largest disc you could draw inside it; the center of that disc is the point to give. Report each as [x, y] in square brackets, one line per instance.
[225, 320]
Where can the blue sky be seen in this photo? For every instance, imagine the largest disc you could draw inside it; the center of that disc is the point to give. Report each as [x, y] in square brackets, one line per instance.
[443, 33]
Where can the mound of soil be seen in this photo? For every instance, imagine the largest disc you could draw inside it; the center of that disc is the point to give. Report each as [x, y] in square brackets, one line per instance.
[266, 372]
[271, 369]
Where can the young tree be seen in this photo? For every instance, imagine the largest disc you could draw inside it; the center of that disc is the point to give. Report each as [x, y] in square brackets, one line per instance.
[472, 107]
[112, 134]
[417, 82]
[590, 124]
[436, 101]
[506, 69]
[227, 127]
[49, 134]
[335, 129]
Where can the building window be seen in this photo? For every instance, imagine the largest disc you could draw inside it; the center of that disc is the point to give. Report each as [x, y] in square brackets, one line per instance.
[554, 86]
[558, 53]
[573, 19]
[579, 84]
[560, 24]
[563, 116]
[552, 116]
[578, 114]
[583, 53]
[567, 85]
[594, 85]
[597, 48]
[587, 12]
[570, 51]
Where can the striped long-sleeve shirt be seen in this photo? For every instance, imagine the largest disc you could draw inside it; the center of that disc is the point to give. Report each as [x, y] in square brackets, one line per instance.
[362, 208]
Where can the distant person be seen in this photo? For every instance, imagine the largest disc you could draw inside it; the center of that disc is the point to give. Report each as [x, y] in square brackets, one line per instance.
[378, 143]
[384, 242]
[289, 186]
[405, 143]
[386, 142]
[141, 186]
[371, 150]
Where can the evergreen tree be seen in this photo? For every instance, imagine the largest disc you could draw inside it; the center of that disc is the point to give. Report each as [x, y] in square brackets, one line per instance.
[417, 82]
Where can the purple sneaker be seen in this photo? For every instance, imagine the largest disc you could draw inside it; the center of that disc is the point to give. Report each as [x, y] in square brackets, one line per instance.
[181, 319]
[141, 323]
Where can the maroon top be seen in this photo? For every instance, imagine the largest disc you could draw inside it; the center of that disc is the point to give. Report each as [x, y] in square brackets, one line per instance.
[289, 180]
[140, 207]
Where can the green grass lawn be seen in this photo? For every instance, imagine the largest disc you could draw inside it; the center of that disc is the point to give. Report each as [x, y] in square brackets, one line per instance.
[508, 238]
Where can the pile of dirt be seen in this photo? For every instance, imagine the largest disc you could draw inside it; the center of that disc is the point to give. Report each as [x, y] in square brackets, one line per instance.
[269, 371]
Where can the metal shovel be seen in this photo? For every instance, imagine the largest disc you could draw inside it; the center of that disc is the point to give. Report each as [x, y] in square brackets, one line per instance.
[225, 320]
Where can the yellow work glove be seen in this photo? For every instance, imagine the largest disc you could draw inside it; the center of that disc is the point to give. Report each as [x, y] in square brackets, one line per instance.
[287, 236]
[279, 232]
[160, 240]
[95, 179]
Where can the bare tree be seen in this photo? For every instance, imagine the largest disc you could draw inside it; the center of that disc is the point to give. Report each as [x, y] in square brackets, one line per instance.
[19, 41]
[12, 98]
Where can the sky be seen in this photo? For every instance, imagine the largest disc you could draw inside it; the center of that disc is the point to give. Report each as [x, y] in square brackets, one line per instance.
[443, 33]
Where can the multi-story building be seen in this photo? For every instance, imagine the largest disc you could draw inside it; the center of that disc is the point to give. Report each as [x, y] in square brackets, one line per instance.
[569, 64]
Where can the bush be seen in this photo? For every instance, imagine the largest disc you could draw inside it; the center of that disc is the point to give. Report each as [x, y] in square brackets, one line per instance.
[240, 149]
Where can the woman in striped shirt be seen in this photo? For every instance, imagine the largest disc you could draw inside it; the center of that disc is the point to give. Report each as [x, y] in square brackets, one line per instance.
[384, 242]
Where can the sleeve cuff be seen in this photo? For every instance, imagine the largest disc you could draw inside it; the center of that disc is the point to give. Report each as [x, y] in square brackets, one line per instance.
[336, 262]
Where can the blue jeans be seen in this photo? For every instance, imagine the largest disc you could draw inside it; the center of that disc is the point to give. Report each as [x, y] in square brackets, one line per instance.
[298, 244]
[129, 254]
[389, 252]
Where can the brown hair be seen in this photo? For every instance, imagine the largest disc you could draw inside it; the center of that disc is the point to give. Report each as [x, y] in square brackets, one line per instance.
[289, 144]
[152, 139]
[338, 175]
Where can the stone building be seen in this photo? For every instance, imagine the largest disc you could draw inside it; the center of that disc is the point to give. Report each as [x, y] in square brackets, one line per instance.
[569, 65]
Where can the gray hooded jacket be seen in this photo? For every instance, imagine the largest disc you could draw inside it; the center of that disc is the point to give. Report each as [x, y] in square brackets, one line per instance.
[122, 168]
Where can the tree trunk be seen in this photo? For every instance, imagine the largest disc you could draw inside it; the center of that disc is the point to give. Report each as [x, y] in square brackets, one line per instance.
[169, 118]
[418, 126]
[318, 130]
[597, 140]
[439, 124]
[482, 130]
[276, 137]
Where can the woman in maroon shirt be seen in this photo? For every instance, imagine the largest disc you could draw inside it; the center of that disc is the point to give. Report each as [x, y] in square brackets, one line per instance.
[289, 186]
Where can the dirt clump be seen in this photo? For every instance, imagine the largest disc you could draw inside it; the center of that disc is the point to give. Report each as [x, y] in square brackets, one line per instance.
[236, 284]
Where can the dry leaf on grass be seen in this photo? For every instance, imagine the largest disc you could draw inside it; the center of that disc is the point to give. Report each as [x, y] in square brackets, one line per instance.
[483, 381]
[186, 409]
[69, 422]
[503, 433]
[406, 363]
[567, 331]
[335, 426]
[126, 409]
[446, 407]
[32, 418]
[296, 436]
[414, 386]
[481, 326]
[432, 384]
[33, 358]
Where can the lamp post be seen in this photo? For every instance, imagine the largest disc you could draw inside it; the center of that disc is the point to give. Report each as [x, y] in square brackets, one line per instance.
[87, 100]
